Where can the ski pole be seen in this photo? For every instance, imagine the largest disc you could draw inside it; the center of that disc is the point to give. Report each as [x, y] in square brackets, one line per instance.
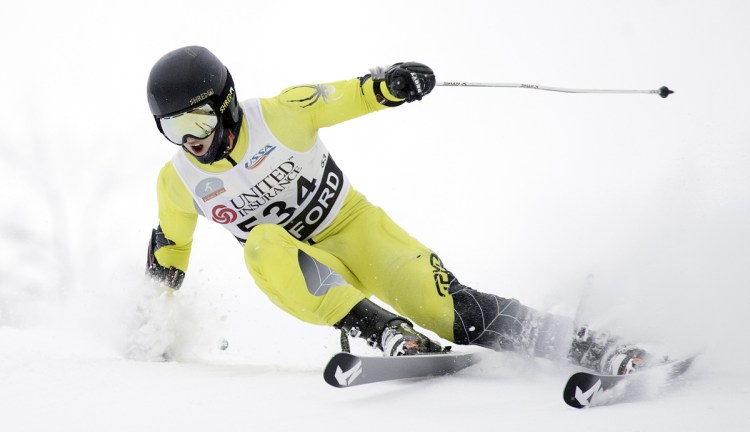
[662, 91]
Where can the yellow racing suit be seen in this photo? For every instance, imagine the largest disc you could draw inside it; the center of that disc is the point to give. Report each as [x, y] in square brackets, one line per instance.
[312, 243]
[317, 247]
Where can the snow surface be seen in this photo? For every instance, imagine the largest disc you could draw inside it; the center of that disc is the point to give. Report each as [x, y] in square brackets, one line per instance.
[628, 210]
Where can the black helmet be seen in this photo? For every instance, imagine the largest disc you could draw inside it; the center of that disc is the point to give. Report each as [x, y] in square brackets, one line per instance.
[192, 77]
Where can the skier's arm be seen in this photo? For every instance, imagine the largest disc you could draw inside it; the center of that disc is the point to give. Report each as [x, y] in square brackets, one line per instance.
[311, 107]
[171, 242]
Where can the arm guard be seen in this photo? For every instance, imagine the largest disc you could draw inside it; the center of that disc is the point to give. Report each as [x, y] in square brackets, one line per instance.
[171, 276]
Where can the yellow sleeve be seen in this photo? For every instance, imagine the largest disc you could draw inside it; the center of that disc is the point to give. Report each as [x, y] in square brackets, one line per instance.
[177, 217]
[295, 115]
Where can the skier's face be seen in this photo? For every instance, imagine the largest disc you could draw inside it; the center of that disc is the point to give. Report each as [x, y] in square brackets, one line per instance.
[198, 147]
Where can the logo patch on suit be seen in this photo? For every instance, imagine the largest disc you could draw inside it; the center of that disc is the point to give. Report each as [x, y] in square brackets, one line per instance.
[223, 214]
[259, 157]
[210, 188]
[440, 274]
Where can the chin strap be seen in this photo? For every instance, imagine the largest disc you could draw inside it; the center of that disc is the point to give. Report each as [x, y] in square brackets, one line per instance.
[230, 146]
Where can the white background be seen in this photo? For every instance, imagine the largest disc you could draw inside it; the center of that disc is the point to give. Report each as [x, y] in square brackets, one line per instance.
[628, 211]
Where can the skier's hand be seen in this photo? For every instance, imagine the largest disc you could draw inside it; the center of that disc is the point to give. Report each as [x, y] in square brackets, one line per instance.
[409, 81]
[170, 276]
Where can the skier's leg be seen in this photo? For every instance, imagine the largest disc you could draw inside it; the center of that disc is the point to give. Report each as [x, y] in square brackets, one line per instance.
[307, 282]
[499, 323]
[316, 287]
[408, 276]
[505, 324]
[391, 265]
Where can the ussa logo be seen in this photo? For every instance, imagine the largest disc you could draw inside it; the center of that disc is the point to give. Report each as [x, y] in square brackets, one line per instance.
[259, 157]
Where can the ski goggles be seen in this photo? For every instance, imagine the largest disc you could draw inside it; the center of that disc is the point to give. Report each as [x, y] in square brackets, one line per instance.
[197, 123]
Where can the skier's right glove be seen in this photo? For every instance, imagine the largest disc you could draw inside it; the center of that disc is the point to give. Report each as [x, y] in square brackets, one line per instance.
[409, 81]
[170, 276]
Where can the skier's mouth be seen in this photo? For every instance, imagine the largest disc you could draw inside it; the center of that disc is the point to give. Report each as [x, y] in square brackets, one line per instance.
[196, 149]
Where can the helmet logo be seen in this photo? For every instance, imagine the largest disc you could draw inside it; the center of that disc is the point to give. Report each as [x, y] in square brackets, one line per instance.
[203, 96]
[226, 102]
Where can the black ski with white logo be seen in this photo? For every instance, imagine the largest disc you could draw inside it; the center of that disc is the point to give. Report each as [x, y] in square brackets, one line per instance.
[588, 389]
[347, 370]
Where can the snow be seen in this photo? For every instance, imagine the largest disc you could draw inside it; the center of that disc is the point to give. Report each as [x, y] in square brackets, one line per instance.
[629, 211]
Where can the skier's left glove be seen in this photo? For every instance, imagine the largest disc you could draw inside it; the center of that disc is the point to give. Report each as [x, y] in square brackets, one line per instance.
[409, 81]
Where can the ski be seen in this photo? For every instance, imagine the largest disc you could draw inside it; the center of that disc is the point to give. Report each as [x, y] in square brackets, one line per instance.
[347, 370]
[588, 389]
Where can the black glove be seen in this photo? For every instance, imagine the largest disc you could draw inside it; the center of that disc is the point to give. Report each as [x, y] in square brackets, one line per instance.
[409, 81]
[171, 276]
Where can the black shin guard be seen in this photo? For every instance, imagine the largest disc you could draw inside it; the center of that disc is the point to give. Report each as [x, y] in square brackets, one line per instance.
[505, 324]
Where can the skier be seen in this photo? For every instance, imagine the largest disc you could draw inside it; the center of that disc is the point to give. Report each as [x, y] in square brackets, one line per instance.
[314, 244]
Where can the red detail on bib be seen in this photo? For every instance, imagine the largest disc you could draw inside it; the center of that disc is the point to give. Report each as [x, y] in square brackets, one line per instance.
[223, 214]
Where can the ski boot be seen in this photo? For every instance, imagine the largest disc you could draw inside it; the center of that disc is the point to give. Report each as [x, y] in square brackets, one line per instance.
[400, 338]
[604, 354]
[392, 334]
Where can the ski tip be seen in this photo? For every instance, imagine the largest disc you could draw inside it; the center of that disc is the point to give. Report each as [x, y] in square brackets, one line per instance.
[588, 389]
[347, 370]
[580, 389]
[680, 366]
[342, 369]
